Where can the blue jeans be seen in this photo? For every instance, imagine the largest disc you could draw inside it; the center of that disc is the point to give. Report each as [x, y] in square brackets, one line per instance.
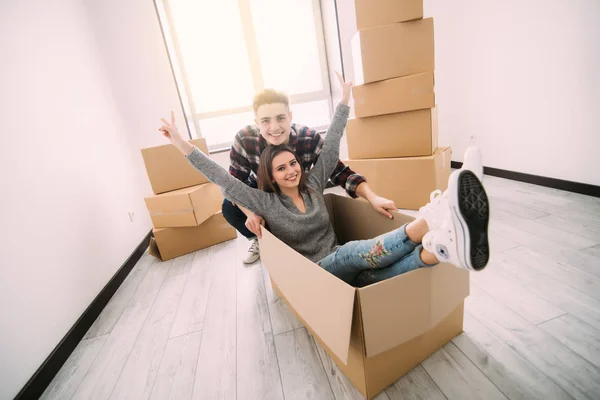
[363, 262]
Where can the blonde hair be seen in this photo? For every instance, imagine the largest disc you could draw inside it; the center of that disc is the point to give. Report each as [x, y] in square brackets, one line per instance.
[269, 96]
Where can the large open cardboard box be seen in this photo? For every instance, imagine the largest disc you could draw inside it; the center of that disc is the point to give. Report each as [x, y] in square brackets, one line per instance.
[378, 333]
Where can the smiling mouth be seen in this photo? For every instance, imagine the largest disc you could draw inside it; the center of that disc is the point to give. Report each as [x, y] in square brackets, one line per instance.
[292, 178]
[276, 135]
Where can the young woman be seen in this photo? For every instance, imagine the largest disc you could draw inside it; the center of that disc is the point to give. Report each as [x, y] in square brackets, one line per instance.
[451, 228]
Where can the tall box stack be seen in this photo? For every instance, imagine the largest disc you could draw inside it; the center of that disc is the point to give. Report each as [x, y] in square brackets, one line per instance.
[392, 140]
[186, 208]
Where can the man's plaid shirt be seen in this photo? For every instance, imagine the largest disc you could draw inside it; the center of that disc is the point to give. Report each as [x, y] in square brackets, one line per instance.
[249, 144]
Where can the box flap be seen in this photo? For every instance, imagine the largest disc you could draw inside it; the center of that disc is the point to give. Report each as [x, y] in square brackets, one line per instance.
[365, 222]
[318, 297]
[153, 249]
[397, 310]
[206, 200]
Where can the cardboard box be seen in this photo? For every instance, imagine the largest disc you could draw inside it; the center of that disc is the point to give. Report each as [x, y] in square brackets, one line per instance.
[378, 333]
[408, 93]
[370, 13]
[407, 181]
[168, 243]
[394, 50]
[407, 134]
[184, 207]
[168, 169]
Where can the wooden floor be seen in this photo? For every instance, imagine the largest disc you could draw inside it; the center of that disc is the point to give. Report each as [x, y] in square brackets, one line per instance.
[203, 326]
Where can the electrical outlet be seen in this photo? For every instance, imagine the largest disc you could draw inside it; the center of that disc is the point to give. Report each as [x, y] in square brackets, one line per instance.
[131, 216]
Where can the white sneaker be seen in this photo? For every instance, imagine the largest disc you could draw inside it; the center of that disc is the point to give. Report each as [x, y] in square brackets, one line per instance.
[458, 222]
[253, 252]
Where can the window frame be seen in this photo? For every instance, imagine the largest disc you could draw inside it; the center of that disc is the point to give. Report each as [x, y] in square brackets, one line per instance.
[181, 75]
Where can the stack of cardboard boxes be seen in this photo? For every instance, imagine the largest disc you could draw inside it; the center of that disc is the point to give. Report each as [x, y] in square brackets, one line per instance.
[186, 208]
[392, 140]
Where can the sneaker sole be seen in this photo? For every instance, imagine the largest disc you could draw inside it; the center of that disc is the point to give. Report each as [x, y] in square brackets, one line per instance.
[471, 211]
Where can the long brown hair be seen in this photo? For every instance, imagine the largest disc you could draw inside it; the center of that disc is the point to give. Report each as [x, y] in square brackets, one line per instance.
[265, 169]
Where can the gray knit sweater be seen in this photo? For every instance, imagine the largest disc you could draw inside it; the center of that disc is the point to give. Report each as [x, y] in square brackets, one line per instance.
[310, 234]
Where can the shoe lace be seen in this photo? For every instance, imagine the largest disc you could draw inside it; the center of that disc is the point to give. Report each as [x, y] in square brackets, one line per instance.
[434, 199]
[253, 247]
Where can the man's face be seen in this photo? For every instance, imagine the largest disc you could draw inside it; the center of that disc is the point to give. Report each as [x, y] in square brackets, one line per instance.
[274, 122]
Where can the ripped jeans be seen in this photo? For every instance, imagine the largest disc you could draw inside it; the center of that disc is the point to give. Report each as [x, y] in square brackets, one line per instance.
[363, 262]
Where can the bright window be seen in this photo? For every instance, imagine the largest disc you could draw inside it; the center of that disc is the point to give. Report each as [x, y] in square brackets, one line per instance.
[227, 50]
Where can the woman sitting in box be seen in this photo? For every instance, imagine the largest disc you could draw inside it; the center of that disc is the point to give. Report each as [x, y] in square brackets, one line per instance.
[451, 228]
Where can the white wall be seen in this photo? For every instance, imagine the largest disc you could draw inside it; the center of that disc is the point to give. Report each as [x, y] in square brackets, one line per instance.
[78, 101]
[522, 77]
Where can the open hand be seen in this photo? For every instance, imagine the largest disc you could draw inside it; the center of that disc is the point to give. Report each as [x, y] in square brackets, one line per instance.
[346, 89]
[169, 129]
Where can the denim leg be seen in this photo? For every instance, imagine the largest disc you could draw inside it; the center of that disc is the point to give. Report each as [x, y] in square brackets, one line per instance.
[359, 255]
[236, 218]
[408, 263]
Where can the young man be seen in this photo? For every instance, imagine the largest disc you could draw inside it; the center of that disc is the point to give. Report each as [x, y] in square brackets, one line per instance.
[273, 125]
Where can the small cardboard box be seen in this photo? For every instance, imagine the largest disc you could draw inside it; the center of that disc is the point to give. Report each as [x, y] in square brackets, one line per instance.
[370, 13]
[393, 50]
[407, 134]
[377, 333]
[184, 207]
[408, 93]
[408, 181]
[168, 169]
[168, 243]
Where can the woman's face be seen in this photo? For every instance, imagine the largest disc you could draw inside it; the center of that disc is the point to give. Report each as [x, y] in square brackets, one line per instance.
[286, 170]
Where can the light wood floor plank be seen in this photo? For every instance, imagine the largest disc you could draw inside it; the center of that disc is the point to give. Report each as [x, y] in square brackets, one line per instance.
[216, 371]
[416, 385]
[511, 373]
[544, 231]
[175, 376]
[119, 301]
[282, 318]
[560, 271]
[192, 307]
[580, 337]
[555, 291]
[572, 373]
[557, 251]
[593, 251]
[577, 227]
[103, 374]
[137, 378]
[458, 377]
[302, 373]
[342, 388]
[65, 383]
[258, 374]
